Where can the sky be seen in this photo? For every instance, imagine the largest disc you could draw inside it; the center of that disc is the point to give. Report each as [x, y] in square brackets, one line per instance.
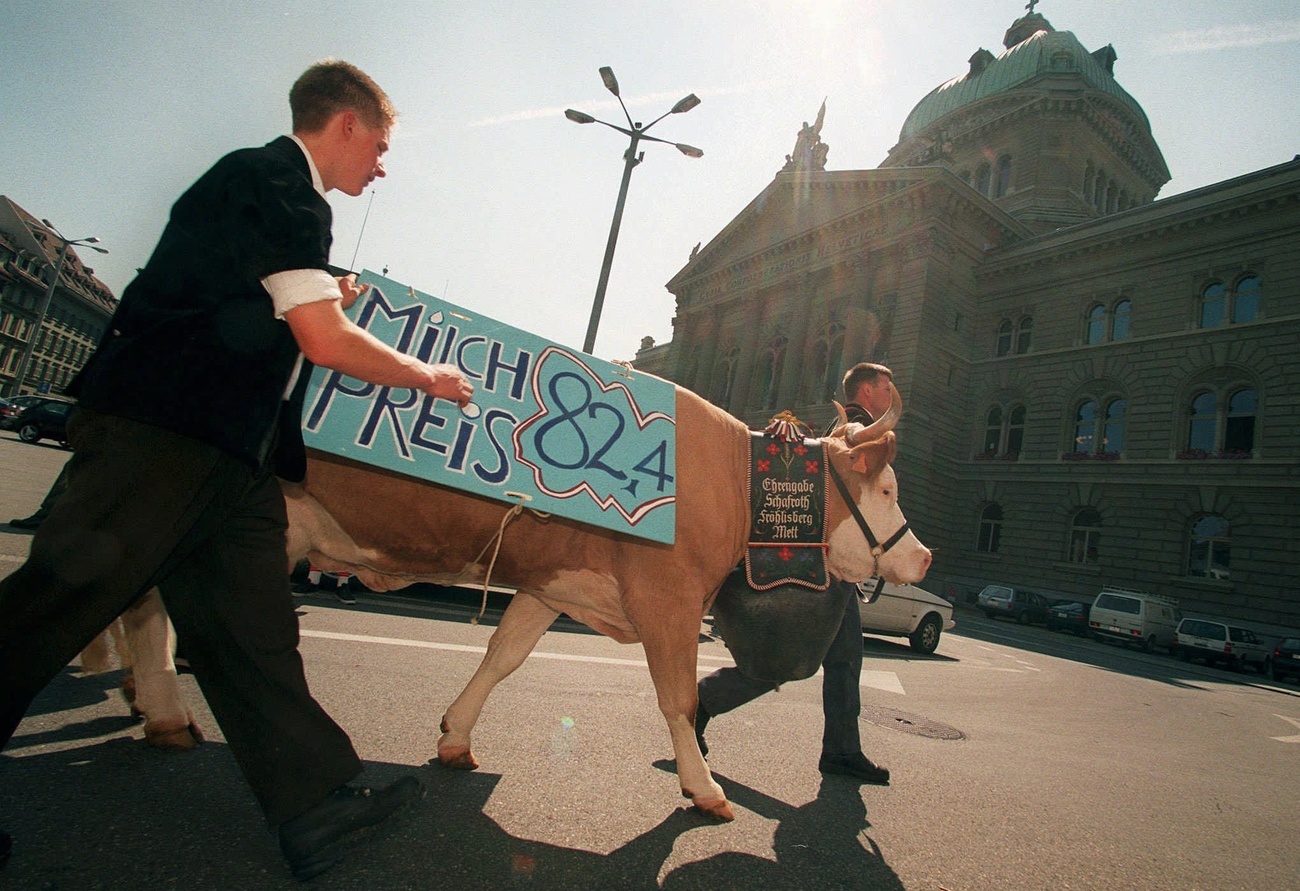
[495, 201]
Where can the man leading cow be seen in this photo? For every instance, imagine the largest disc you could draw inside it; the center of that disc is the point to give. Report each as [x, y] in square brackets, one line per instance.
[867, 389]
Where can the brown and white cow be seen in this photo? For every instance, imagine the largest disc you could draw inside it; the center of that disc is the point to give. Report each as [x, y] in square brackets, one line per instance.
[391, 530]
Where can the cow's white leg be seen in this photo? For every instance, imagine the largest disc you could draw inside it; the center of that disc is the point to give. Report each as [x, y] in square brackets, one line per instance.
[522, 625]
[671, 652]
[151, 641]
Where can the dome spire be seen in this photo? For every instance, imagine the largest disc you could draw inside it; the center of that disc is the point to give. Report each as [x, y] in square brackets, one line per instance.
[1026, 26]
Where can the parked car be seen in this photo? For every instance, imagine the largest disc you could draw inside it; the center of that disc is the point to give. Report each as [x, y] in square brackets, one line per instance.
[1134, 617]
[13, 406]
[1218, 641]
[1286, 659]
[1069, 616]
[1014, 603]
[45, 420]
[907, 611]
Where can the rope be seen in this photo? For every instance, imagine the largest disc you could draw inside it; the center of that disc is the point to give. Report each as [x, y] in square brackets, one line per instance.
[497, 538]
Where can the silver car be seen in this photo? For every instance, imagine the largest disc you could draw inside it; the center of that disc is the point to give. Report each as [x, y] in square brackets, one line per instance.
[906, 611]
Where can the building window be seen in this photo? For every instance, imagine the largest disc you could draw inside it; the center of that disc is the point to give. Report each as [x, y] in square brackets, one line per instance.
[834, 359]
[1221, 428]
[1245, 303]
[769, 381]
[1004, 433]
[1096, 325]
[1024, 333]
[990, 534]
[1002, 182]
[1085, 535]
[1085, 427]
[1004, 338]
[1239, 304]
[1112, 440]
[1209, 548]
[983, 176]
[1119, 324]
[993, 432]
[726, 379]
[1015, 431]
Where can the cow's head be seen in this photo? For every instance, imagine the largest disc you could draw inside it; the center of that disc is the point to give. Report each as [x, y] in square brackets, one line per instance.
[861, 456]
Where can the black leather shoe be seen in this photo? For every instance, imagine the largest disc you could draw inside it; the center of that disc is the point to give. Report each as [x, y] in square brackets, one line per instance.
[857, 765]
[701, 721]
[32, 522]
[317, 840]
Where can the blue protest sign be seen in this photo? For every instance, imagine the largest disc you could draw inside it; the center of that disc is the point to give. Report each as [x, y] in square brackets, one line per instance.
[582, 438]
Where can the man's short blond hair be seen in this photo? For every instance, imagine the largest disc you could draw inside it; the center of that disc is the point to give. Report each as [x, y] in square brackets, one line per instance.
[331, 86]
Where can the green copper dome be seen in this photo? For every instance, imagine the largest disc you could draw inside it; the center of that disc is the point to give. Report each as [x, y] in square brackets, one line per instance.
[1036, 50]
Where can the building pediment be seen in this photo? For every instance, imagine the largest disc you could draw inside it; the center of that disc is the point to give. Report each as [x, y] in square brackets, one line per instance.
[803, 220]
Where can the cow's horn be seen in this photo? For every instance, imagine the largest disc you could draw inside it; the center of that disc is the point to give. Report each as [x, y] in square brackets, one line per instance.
[841, 414]
[885, 423]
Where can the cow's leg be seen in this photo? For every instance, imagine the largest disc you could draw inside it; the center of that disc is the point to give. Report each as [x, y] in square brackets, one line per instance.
[150, 641]
[522, 625]
[672, 642]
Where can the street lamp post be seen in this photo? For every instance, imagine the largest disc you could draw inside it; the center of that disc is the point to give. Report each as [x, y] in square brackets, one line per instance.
[637, 134]
[64, 247]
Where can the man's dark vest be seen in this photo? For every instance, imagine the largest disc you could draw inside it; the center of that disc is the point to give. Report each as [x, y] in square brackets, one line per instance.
[194, 346]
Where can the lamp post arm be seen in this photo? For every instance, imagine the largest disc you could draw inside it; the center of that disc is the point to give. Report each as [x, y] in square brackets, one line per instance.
[630, 161]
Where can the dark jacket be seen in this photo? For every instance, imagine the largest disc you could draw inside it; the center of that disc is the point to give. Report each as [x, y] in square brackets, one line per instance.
[856, 413]
[194, 346]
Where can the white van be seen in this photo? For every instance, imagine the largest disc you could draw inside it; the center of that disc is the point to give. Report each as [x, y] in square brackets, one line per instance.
[1134, 617]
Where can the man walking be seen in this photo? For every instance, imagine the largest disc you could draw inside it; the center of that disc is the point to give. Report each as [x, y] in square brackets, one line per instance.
[172, 479]
[866, 387]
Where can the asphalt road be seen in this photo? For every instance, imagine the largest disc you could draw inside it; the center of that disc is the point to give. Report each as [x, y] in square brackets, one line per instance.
[1021, 759]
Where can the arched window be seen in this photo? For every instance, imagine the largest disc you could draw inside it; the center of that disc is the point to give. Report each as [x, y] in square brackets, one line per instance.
[1221, 428]
[1085, 536]
[1213, 300]
[990, 532]
[1119, 326]
[1024, 334]
[1002, 182]
[1099, 192]
[1209, 548]
[993, 431]
[1202, 423]
[1096, 325]
[834, 359]
[1245, 301]
[1112, 439]
[811, 388]
[1088, 174]
[983, 174]
[1239, 425]
[725, 380]
[770, 372]
[1085, 427]
[1004, 338]
[1015, 431]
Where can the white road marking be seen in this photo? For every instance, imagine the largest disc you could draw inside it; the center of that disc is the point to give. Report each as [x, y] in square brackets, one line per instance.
[1288, 739]
[878, 680]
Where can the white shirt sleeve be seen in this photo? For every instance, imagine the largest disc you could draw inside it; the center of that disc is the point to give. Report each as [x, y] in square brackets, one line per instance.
[296, 287]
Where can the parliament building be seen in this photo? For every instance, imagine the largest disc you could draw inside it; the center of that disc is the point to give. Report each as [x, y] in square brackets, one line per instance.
[1101, 387]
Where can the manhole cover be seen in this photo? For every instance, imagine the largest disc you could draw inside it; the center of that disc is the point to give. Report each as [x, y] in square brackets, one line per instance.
[896, 720]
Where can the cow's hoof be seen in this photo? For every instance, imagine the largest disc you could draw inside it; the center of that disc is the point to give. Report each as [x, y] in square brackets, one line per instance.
[715, 808]
[457, 759]
[176, 739]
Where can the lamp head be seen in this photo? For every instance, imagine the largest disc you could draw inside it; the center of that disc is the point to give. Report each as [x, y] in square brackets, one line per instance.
[578, 117]
[689, 151]
[611, 82]
[686, 104]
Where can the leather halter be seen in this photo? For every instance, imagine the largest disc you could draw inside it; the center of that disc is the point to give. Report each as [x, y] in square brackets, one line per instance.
[877, 549]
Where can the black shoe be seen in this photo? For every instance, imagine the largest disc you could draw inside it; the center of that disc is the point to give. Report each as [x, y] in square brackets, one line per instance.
[318, 839]
[299, 588]
[344, 595]
[701, 721]
[857, 765]
[32, 522]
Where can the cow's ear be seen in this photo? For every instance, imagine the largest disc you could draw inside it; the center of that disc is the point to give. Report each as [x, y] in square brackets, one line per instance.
[864, 459]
